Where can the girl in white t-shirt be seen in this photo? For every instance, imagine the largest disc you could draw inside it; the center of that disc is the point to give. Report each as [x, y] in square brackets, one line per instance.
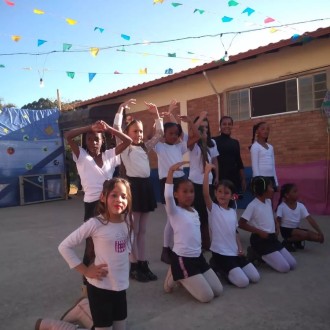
[262, 154]
[202, 149]
[108, 275]
[95, 164]
[136, 162]
[290, 212]
[188, 265]
[258, 218]
[227, 252]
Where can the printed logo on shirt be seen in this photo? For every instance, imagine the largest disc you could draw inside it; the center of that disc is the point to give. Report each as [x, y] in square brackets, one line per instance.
[120, 246]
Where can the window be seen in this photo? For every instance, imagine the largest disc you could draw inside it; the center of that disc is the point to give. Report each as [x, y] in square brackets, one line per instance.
[303, 93]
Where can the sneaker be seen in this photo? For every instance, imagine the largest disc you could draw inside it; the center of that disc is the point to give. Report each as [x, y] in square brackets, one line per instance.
[299, 245]
[169, 282]
[166, 255]
[289, 246]
[144, 268]
[136, 273]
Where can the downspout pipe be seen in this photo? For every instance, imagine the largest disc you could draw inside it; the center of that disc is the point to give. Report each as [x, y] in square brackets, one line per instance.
[215, 92]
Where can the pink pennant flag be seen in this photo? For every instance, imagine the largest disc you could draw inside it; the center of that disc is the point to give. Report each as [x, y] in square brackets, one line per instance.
[269, 20]
[9, 3]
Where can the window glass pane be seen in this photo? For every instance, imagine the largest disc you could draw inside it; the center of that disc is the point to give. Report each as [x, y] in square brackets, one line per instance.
[244, 105]
[306, 93]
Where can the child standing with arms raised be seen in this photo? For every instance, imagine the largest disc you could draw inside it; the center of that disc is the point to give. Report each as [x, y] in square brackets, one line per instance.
[290, 212]
[108, 276]
[226, 247]
[136, 162]
[188, 265]
[258, 218]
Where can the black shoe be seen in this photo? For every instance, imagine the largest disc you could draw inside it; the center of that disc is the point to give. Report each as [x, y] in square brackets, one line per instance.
[166, 255]
[299, 245]
[136, 274]
[289, 246]
[144, 268]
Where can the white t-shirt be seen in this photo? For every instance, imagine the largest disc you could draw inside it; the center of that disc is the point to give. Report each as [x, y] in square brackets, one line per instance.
[91, 175]
[196, 171]
[291, 218]
[169, 154]
[263, 161]
[186, 227]
[260, 215]
[111, 244]
[223, 224]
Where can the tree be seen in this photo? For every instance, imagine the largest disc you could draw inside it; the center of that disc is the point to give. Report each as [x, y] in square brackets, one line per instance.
[6, 105]
[41, 104]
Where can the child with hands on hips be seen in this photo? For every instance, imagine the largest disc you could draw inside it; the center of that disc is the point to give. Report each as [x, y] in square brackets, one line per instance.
[289, 213]
[136, 162]
[108, 275]
[188, 265]
[227, 252]
[258, 218]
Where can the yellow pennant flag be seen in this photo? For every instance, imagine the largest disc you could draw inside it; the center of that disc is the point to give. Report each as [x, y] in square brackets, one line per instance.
[16, 38]
[38, 11]
[94, 51]
[71, 21]
[194, 60]
[158, 1]
[143, 71]
[273, 30]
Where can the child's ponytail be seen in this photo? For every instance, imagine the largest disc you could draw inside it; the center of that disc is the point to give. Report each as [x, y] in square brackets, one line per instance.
[254, 131]
[285, 189]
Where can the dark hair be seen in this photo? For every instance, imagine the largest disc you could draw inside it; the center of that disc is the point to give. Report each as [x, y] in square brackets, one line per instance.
[84, 144]
[230, 185]
[254, 131]
[285, 189]
[209, 142]
[226, 117]
[102, 207]
[259, 185]
[179, 182]
[170, 124]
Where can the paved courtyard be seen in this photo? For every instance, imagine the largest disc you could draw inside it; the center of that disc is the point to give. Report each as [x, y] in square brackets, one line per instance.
[36, 282]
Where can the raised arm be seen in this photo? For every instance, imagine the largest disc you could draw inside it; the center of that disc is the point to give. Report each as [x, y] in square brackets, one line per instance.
[152, 108]
[195, 134]
[168, 116]
[206, 188]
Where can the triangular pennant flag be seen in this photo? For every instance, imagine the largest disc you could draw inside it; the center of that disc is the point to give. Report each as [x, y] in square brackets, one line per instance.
[16, 38]
[2, 66]
[295, 37]
[94, 51]
[191, 53]
[9, 3]
[176, 4]
[143, 71]
[126, 37]
[70, 74]
[269, 20]
[41, 42]
[38, 11]
[91, 76]
[98, 28]
[171, 54]
[71, 21]
[66, 47]
[201, 11]
[194, 60]
[116, 72]
[273, 30]
[226, 19]
[232, 3]
[158, 1]
[169, 71]
[248, 10]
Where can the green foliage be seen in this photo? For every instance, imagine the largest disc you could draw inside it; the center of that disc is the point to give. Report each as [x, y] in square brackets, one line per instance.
[41, 104]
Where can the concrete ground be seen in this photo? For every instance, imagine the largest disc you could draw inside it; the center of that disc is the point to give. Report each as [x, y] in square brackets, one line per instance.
[36, 282]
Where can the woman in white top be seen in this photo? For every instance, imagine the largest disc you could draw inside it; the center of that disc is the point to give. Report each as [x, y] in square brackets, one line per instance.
[202, 150]
[227, 252]
[289, 213]
[188, 265]
[262, 154]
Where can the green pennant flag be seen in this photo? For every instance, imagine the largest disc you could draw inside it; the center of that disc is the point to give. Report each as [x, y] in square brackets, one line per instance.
[66, 47]
[176, 4]
[171, 54]
[70, 74]
[232, 3]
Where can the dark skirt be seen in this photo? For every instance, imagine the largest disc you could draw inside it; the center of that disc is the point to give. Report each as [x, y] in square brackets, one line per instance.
[265, 245]
[227, 263]
[143, 195]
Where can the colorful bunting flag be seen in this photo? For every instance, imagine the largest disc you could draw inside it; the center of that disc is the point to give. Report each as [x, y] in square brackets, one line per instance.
[38, 11]
[9, 3]
[66, 47]
[226, 19]
[125, 37]
[143, 71]
[16, 38]
[201, 11]
[116, 72]
[71, 21]
[248, 10]
[158, 1]
[169, 71]
[269, 20]
[98, 28]
[94, 51]
[41, 42]
[232, 3]
[273, 30]
[295, 37]
[91, 76]
[70, 74]
[2, 66]
[176, 4]
[171, 54]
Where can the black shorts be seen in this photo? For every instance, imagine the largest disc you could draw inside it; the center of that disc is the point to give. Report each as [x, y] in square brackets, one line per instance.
[227, 263]
[265, 245]
[184, 267]
[287, 232]
[106, 306]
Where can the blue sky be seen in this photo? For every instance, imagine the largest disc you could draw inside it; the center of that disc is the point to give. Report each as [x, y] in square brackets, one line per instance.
[21, 67]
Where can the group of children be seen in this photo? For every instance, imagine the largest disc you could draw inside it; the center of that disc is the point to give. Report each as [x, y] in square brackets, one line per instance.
[201, 216]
